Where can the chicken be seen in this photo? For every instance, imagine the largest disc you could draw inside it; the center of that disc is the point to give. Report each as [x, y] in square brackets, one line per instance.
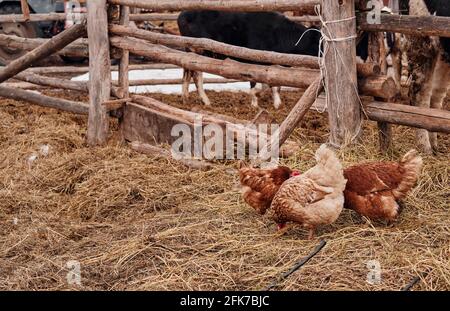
[374, 189]
[259, 186]
[313, 198]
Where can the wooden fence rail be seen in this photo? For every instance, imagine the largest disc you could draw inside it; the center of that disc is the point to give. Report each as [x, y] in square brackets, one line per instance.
[223, 5]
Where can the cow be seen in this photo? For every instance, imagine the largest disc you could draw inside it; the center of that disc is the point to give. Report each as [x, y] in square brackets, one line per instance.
[268, 31]
[428, 65]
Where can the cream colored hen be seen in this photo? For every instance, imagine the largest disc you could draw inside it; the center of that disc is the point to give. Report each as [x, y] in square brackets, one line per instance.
[313, 198]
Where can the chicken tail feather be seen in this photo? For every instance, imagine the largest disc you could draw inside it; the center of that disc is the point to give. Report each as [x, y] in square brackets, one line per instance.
[412, 164]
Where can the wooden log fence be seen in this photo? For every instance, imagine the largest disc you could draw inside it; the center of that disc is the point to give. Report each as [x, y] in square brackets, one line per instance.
[43, 100]
[56, 43]
[275, 58]
[303, 71]
[304, 6]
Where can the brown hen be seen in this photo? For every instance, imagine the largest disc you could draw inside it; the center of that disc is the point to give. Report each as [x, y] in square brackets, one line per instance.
[374, 189]
[259, 186]
[315, 197]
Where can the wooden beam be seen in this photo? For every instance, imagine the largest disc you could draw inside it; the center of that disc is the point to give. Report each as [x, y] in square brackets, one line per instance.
[298, 112]
[433, 120]
[52, 82]
[377, 53]
[409, 25]
[125, 59]
[99, 72]
[341, 79]
[295, 115]
[174, 81]
[46, 17]
[272, 75]
[222, 5]
[78, 48]
[364, 70]
[42, 100]
[83, 69]
[154, 17]
[218, 47]
[19, 18]
[54, 44]
[378, 86]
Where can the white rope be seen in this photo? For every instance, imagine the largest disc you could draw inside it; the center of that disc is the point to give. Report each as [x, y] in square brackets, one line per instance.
[337, 57]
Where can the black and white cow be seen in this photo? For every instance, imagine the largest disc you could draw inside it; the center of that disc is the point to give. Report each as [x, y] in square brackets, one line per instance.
[268, 31]
[428, 65]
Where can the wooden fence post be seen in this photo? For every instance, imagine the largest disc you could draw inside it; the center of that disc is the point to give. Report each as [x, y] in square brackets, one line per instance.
[341, 81]
[99, 72]
[125, 59]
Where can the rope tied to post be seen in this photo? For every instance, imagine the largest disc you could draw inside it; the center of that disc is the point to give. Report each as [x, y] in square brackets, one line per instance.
[324, 49]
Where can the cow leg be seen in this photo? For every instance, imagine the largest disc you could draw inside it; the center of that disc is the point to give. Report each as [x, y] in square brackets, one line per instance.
[422, 69]
[254, 94]
[198, 80]
[276, 97]
[397, 55]
[187, 75]
[441, 83]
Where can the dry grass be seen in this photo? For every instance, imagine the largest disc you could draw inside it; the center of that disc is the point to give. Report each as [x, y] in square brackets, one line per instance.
[134, 222]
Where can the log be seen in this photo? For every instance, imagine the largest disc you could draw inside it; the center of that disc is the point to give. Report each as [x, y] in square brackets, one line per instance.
[81, 70]
[24, 86]
[298, 112]
[296, 115]
[364, 70]
[377, 53]
[62, 83]
[115, 103]
[433, 120]
[19, 18]
[54, 44]
[272, 75]
[125, 59]
[368, 69]
[340, 61]
[79, 48]
[99, 72]
[304, 6]
[378, 86]
[53, 82]
[160, 152]
[409, 25]
[174, 81]
[218, 47]
[45, 101]
[305, 19]
[154, 17]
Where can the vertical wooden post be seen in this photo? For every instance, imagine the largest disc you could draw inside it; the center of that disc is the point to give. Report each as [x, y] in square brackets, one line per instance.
[125, 59]
[99, 71]
[344, 109]
[377, 54]
[25, 9]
